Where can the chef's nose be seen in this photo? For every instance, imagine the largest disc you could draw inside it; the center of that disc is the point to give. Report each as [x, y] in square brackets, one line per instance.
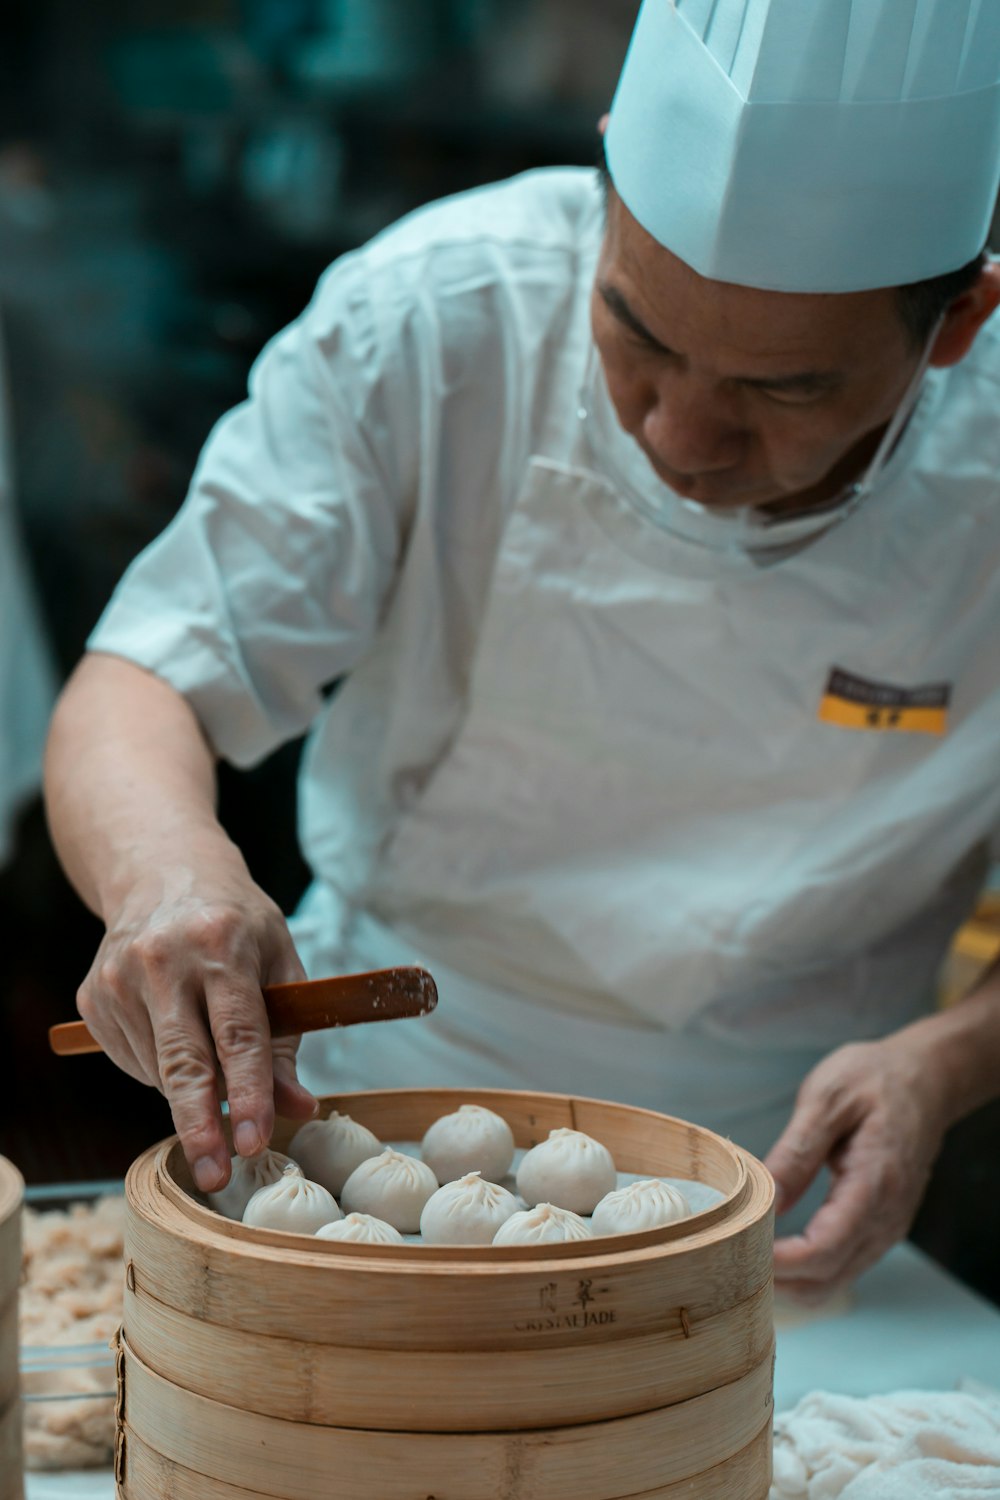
[691, 429]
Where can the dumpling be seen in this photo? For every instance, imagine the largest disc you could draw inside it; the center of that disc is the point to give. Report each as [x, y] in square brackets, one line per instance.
[641, 1205]
[392, 1187]
[545, 1224]
[248, 1174]
[570, 1169]
[329, 1150]
[293, 1204]
[473, 1139]
[362, 1229]
[466, 1212]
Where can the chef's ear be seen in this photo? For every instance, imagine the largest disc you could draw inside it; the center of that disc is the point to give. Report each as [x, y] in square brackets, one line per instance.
[966, 315]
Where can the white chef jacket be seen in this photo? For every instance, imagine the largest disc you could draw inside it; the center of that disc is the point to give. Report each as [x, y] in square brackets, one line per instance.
[27, 682]
[407, 506]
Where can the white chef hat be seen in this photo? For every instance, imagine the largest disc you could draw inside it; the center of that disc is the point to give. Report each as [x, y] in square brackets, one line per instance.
[812, 145]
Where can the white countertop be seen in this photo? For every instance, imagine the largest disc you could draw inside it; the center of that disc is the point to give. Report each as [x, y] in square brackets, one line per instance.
[907, 1325]
[94, 1485]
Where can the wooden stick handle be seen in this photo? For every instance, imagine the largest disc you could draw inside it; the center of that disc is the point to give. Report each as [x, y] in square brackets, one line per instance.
[309, 1005]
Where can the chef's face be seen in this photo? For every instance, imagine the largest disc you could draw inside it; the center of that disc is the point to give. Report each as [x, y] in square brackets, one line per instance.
[738, 396]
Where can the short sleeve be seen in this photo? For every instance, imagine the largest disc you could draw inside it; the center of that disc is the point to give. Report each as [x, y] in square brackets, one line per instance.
[271, 581]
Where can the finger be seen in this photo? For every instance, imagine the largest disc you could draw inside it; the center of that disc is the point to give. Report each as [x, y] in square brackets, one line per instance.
[800, 1294]
[859, 1254]
[137, 1028]
[187, 1070]
[291, 1099]
[242, 1037]
[830, 1242]
[287, 967]
[803, 1148]
[115, 1044]
[815, 1289]
[106, 1029]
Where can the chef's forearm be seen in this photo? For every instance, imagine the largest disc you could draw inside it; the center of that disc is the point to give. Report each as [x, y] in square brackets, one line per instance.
[961, 1046]
[129, 779]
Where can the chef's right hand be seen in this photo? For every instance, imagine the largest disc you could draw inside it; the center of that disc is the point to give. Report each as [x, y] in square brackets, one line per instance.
[174, 998]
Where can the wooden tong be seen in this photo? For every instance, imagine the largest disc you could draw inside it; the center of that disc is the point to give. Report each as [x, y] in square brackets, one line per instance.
[310, 1005]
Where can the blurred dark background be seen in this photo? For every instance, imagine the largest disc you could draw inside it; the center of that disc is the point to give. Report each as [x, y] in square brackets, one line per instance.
[174, 176]
[173, 179]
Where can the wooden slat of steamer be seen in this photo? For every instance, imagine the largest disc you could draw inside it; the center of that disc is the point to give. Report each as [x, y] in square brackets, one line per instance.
[321, 1297]
[291, 1286]
[597, 1461]
[635, 1137]
[11, 1196]
[464, 1391]
[11, 1460]
[174, 1183]
[148, 1476]
[641, 1140]
[8, 1350]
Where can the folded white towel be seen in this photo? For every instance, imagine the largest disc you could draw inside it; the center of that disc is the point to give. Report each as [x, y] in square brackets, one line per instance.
[914, 1445]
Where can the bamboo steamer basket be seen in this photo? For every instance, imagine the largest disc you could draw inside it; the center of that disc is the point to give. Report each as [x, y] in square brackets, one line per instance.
[260, 1364]
[11, 1459]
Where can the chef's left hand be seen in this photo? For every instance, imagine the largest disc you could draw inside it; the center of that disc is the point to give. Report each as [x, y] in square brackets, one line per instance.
[873, 1113]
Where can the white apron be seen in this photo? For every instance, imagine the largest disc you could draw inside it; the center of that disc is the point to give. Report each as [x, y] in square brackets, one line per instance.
[641, 806]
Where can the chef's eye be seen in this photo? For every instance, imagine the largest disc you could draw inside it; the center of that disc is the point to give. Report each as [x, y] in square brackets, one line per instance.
[642, 345]
[791, 397]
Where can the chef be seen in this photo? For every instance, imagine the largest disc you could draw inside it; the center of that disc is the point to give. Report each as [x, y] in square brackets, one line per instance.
[631, 555]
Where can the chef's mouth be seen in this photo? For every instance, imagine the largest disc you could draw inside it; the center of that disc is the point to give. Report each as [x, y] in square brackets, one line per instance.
[712, 497]
[715, 491]
[711, 490]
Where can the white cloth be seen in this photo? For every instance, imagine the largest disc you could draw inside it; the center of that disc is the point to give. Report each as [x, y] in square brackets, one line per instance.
[27, 682]
[914, 1445]
[573, 763]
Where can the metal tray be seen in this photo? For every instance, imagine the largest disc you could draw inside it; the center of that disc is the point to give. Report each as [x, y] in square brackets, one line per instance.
[69, 1385]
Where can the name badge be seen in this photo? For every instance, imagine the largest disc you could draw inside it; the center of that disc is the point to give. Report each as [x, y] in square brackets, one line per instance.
[857, 703]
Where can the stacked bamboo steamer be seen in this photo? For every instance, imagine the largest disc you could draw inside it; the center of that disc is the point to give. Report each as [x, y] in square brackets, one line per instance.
[278, 1367]
[11, 1461]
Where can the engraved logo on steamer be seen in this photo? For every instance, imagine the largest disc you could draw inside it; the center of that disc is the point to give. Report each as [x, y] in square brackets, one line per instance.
[576, 1306]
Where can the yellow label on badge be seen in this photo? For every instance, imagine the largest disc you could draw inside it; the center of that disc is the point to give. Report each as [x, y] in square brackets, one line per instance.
[856, 703]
